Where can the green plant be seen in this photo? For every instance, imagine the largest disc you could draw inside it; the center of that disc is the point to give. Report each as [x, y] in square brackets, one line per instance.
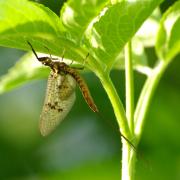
[102, 29]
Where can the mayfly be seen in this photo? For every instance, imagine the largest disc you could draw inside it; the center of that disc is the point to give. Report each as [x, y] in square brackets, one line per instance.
[60, 94]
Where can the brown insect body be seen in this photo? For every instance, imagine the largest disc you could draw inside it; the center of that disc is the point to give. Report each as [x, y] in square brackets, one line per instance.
[60, 95]
[63, 68]
[82, 85]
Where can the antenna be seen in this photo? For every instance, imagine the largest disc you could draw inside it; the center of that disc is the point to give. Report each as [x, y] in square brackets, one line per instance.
[33, 50]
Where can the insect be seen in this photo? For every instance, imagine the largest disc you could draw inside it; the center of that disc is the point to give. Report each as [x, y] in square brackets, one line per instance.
[60, 94]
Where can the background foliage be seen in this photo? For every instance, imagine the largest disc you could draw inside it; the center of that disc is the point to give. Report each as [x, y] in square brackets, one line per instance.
[85, 147]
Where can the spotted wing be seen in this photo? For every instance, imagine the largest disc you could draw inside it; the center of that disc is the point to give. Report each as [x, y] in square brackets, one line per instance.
[60, 97]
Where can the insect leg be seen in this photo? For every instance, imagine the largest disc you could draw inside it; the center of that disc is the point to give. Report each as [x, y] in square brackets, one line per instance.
[81, 68]
[63, 54]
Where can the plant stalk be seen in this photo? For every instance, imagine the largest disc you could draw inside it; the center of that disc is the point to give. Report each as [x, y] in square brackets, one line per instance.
[116, 104]
[129, 79]
[146, 96]
[129, 154]
[131, 123]
[128, 151]
[128, 162]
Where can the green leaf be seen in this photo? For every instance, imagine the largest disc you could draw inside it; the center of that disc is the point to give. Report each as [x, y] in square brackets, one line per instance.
[25, 20]
[25, 70]
[168, 37]
[76, 16]
[116, 27]
[22, 21]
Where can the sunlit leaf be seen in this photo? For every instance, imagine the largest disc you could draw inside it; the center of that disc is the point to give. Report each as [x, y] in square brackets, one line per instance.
[117, 25]
[77, 15]
[106, 28]
[22, 21]
[168, 38]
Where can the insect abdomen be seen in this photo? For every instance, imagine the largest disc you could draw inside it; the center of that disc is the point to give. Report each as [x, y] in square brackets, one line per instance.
[84, 89]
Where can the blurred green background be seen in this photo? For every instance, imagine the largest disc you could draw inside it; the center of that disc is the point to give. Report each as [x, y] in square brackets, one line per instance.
[84, 146]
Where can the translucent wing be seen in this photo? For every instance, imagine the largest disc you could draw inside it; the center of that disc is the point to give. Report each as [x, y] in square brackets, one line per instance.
[60, 97]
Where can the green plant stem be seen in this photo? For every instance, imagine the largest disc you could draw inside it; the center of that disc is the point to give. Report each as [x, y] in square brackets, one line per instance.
[128, 162]
[128, 152]
[129, 87]
[146, 96]
[116, 104]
